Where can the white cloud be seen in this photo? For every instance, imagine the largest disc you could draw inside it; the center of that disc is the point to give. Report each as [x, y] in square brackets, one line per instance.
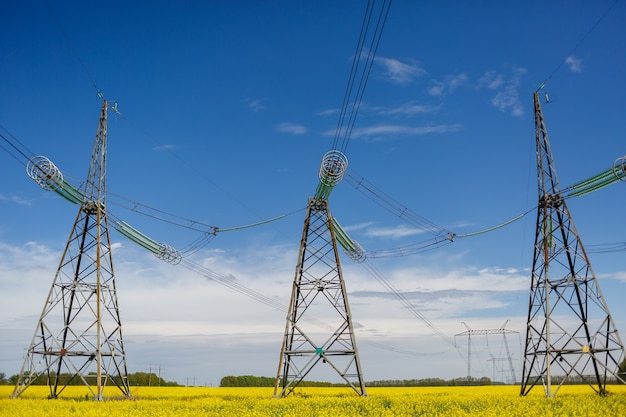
[508, 99]
[437, 90]
[619, 276]
[327, 112]
[255, 104]
[574, 64]
[448, 85]
[15, 199]
[399, 72]
[393, 232]
[192, 325]
[409, 109]
[506, 85]
[167, 147]
[291, 128]
[359, 226]
[491, 80]
[382, 132]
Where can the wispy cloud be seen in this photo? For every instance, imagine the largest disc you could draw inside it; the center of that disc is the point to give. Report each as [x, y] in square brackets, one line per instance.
[399, 231]
[450, 293]
[506, 85]
[399, 72]
[387, 131]
[620, 276]
[255, 104]
[15, 199]
[327, 112]
[574, 64]
[166, 147]
[292, 128]
[491, 80]
[358, 226]
[409, 109]
[448, 85]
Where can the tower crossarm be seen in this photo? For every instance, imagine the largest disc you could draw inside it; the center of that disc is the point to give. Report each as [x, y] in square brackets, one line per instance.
[485, 332]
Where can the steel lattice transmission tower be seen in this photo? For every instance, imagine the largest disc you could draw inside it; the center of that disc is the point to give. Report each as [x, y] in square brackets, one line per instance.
[319, 324]
[486, 332]
[570, 336]
[78, 338]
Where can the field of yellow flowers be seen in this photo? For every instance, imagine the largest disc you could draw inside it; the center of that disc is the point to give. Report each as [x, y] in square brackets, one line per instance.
[575, 401]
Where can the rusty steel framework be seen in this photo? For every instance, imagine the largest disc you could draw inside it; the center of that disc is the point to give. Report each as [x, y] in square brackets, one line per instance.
[319, 323]
[570, 335]
[78, 338]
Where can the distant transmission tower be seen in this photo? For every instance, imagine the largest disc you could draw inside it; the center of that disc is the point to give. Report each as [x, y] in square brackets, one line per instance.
[486, 332]
[78, 338]
[570, 336]
[319, 324]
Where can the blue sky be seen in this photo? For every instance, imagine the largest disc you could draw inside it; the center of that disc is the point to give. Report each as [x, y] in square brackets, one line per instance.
[226, 109]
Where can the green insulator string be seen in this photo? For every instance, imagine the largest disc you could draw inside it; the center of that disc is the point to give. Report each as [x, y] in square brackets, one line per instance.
[607, 177]
[350, 247]
[136, 236]
[594, 183]
[69, 192]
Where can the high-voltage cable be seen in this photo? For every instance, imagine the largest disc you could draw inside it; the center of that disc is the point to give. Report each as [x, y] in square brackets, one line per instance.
[351, 103]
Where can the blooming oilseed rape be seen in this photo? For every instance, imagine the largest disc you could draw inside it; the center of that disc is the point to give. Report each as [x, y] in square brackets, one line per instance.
[574, 401]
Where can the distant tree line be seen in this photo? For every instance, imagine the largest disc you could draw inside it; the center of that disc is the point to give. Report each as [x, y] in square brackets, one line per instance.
[134, 379]
[432, 382]
[263, 381]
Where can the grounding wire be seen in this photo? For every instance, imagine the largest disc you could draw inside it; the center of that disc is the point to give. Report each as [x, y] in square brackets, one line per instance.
[577, 45]
[71, 45]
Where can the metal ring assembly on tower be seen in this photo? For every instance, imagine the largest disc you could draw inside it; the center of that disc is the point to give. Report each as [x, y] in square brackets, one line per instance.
[44, 172]
[169, 254]
[332, 168]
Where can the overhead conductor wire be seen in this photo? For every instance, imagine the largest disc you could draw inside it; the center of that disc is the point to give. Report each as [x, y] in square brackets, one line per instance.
[370, 55]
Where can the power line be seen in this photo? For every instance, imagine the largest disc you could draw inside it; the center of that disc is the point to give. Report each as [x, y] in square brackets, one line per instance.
[71, 45]
[349, 101]
[577, 45]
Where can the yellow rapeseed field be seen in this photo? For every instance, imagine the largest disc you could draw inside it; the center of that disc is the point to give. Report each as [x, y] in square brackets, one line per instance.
[574, 401]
